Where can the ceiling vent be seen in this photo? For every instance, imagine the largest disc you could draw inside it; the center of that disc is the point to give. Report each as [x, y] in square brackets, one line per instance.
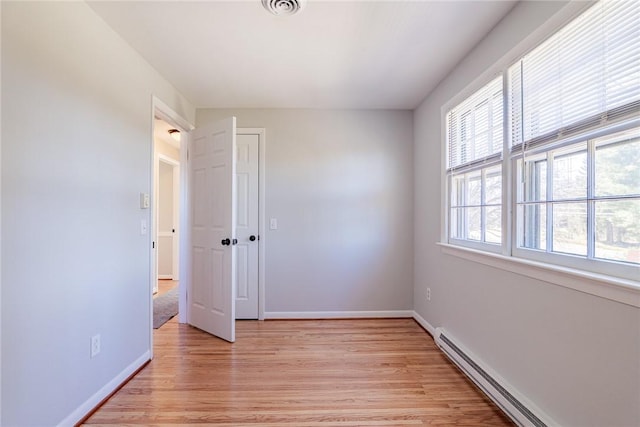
[284, 7]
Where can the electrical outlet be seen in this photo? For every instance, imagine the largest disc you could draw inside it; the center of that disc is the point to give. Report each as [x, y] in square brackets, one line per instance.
[428, 294]
[95, 345]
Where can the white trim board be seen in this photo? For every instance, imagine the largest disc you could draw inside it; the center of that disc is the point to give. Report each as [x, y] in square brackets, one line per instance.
[91, 403]
[482, 384]
[338, 314]
[615, 289]
[426, 325]
[509, 399]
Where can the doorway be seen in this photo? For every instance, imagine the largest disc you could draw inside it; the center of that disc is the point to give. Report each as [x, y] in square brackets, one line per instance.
[166, 224]
[171, 150]
[163, 112]
[167, 208]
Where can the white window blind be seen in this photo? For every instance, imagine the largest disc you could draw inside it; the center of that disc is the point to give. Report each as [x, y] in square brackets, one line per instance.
[474, 127]
[585, 75]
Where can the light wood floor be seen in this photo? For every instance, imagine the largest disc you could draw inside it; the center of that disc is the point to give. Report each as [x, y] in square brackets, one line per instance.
[165, 286]
[382, 372]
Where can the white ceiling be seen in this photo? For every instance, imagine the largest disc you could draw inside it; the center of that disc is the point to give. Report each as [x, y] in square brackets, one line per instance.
[333, 54]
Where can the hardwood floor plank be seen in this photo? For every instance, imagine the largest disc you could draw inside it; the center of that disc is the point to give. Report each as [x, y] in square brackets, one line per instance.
[364, 372]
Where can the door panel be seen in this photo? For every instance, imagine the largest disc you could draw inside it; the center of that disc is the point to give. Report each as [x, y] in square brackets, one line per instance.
[213, 198]
[242, 262]
[165, 221]
[247, 226]
[198, 294]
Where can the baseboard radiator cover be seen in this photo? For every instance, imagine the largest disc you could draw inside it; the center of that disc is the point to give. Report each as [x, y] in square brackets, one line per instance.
[502, 394]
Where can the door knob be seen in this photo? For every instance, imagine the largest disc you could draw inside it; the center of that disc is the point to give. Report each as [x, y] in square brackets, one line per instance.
[226, 242]
[252, 238]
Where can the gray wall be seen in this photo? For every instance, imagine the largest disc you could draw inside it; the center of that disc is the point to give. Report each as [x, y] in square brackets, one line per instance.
[574, 355]
[76, 153]
[340, 184]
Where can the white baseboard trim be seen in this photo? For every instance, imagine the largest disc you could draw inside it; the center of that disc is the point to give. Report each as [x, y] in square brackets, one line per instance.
[337, 314]
[165, 277]
[513, 403]
[94, 400]
[422, 322]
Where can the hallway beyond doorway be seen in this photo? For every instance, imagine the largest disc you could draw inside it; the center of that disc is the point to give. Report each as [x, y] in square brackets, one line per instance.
[164, 286]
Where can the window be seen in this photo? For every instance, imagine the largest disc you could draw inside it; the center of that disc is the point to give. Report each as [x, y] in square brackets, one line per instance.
[583, 199]
[475, 143]
[573, 105]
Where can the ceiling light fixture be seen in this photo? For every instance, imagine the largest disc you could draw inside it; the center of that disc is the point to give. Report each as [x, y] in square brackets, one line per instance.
[284, 7]
[175, 134]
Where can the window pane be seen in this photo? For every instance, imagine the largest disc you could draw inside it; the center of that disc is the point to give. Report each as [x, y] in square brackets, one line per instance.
[476, 204]
[534, 187]
[586, 68]
[465, 137]
[617, 166]
[570, 175]
[618, 230]
[457, 183]
[570, 228]
[474, 223]
[474, 188]
[493, 229]
[493, 186]
[482, 148]
[496, 113]
[532, 226]
[482, 117]
[474, 129]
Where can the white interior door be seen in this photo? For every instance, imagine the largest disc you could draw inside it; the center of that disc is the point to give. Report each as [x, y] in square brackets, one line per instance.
[166, 221]
[247, 227]
[213, 276]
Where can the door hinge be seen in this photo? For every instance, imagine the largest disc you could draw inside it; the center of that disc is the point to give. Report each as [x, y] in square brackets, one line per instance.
[153, 245]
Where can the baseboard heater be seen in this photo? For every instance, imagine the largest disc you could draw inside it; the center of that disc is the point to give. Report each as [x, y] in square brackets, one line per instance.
[515, 406]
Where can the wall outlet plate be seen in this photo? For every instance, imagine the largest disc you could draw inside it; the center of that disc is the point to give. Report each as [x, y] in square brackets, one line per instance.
[95, 345]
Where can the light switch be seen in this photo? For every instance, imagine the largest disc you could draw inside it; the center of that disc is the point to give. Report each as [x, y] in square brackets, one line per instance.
[273, 223]
[144, 200]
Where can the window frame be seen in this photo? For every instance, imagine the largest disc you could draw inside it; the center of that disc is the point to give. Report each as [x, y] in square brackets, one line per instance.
[585, 263]
[479, 165]
[474, 243]
[609, 279]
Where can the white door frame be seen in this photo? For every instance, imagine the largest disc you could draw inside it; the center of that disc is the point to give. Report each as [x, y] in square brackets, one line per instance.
[166, 113]
[262, 149]
[175, 259]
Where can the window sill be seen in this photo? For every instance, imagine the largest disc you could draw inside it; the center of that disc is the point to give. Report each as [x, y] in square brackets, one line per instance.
[612, 288]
